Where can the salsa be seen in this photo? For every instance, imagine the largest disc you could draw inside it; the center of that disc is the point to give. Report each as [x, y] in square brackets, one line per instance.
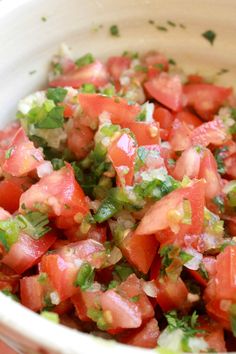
[118, 203]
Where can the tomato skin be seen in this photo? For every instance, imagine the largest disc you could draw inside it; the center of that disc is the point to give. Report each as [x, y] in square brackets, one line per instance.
[10, 194]
[198, 277]
[118, 108]
[145, 337]
[94, 73]
[26, 251]
[80, 141]
[122, 154]
[140, 250]
[171, 295]
[131, 287]
[166, 90]
[117, 65]
[180, 136]
[31, 293]
[58, 193]
[163, 117]
[188, 118]
[96, 232]
[188, 164]
[156, 218]
[125, 314]
[206, 99]
[213, 132]
[145, 133]
[208, 171]
[24, 157]
[9, 280]
[85, 300]
[230, 166]
[214, 334]
[7, 134]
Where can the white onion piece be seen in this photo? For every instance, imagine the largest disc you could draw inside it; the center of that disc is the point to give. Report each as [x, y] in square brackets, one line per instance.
[115, 255]
[150, 288]
[195, 261]
[44, 169]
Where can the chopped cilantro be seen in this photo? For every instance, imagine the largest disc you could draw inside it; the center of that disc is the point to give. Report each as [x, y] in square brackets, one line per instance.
[47, 116]
[8, 153]
[43, 19]
[109, 130]
[114, 31]
[220, 155]
[233, 318]
[219, 201]
[57, 164]
[134, 298]
[56, 94]
[187, 324]
[141, 68]
[57, 68]
[88, 88]
[32, 72]
[171, 23]
[222, 71]
[84, 60]
[42, 278]
[51, 316]
[210, 36]
[162, 28]
[34, 223]
[122, 271]
[172, 61]
[85, 276]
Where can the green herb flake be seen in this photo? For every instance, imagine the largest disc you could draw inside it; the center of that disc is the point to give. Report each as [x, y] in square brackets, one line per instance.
[141, 68]
[3, 240]
[9, 293]
[8, 153]
[219, 202]
[162, 28]
[135, 298]
[171, 23]
[43, 19]
[210, 36]
[114, 31]
[85, 276]
[123, 271]
[34, 223]
[88, 88]
[57, 164]
[42, 278]
[222, 71]
[56, 94]
[220, 155]
[84, 60]
[172, 61]
[51, 316]
[32, 72]
[151, 22]
[187, 324]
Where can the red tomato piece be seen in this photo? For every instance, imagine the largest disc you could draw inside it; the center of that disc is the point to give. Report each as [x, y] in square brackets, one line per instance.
[85, 300]
[213, 132]
[157, 219]
[208, 171]
[31, 293]
[206, 99]
[122, 154]
[117, 65]
[80, 141]
[230, 166]
[10, 193]
[132, 287]
[164, 117]
[9, 280]
[145, 337]
[58, 194]
[26, 251]
[154, 58]
[171, 294]
[214, 334]
[140, 250]
[180, 136]
[188, 118]
[188, 164]
[124, 313]
[96, 232]
[118, 108]
[167, 90]
[21, 157]
[94, 73]
[7, 135]
[195, 79]
[145, 133]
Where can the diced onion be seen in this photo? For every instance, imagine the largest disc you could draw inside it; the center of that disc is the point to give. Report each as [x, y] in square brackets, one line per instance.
[195, 261]
[150, 288]
[44, 169]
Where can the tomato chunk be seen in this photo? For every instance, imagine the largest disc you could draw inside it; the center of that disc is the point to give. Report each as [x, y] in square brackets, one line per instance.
[171, 294]
[31, 293]
[117, 65]
[10, 193]
[167, 90]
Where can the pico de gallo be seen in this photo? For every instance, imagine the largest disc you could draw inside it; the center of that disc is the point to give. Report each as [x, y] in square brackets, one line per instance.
[118, 200]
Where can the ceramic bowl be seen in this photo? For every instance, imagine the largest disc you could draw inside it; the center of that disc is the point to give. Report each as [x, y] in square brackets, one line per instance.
[32, 30]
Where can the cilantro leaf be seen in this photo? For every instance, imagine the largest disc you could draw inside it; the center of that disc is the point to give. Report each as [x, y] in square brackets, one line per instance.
[34, 223]
[56, 94]
[54, 119]
[114, 31]
[210, 36]
[84, 60]
[85, 276]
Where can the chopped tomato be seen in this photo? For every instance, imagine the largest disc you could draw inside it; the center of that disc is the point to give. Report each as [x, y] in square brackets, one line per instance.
[167, 90]
[164, 117]
[122, 154]
[140, 250]
[188, 164]
[85, 300]
[206, 99]
[132, 288]
[124, 313]
[80, 141]
[208, 171]
[10, 193]
[145, 133]
[195, 79]
[57, 194]
[214, 335]
[171, 294]
[188, 118]
[7, 135]
[180, 136]
[94, 73]
[117, 65]
[120, 111]
[95, 232]
[213, 132]
[31, 293]
[158, 217]
[230, 166]
[145, 337]
[9, 280]
[21, 157]
[153, 58]
[26, 251]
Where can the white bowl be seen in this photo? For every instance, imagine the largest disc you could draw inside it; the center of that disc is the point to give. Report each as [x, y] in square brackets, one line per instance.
[27, 44]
